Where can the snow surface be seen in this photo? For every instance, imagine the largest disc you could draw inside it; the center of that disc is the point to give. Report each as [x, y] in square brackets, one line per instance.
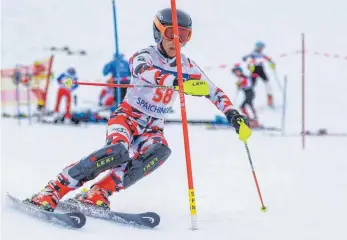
[304, 190]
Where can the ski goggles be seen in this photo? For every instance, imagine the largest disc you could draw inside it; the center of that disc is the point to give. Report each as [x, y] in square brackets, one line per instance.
[168, 32]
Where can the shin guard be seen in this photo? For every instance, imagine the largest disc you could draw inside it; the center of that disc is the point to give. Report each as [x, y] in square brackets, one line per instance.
[155, 156]
[91, 166]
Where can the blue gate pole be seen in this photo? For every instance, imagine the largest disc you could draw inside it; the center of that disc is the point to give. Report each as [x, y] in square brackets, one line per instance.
[117, 51]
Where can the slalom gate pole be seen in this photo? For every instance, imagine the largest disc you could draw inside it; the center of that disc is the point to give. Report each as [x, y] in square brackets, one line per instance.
[236, 95]
[117, 51]
[29, 97]
[284, 108]
[48, 80]
[303, 52]
[277, 80]
[18, 102]
[191, 192]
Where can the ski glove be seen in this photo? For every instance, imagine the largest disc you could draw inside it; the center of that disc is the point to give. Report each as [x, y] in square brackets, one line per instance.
[272, 65]
[67, 82]
[235, 119]
[251, 68]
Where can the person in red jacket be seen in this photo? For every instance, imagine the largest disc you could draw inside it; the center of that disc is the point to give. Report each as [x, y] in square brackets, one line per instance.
[65, 90]
[135, 145]
[246, 84]
[106, 97]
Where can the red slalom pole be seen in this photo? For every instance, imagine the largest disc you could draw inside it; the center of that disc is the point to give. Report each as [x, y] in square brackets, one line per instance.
[191, 193]
[49, 73]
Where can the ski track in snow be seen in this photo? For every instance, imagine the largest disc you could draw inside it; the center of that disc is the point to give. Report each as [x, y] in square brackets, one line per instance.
[304, 190]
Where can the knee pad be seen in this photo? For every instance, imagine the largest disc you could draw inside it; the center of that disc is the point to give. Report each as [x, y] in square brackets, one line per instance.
[91, 166]
[155, 156]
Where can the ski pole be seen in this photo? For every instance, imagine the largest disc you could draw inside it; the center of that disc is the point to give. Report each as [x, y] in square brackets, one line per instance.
[277, 80]
[263, 207]
[244, 134]
[192, 87]
[121, 85]
[236, 95]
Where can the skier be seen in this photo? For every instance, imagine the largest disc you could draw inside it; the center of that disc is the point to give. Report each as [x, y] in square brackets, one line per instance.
[137, 124]
[255, 62]
[106, 96]
[67, 84]
[124, 73]
[245, 83]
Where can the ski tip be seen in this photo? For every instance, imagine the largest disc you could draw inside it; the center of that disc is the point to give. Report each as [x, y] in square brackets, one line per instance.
[77, 219]
[9, 196]
[151, 219]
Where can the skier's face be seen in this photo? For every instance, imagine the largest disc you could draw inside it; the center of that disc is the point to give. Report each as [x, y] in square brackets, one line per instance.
[238, 73]
[169, 47]
[260, 49]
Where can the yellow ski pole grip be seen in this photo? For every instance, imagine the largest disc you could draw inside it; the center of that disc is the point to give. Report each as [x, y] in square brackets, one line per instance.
[244, 132]
[195, 87]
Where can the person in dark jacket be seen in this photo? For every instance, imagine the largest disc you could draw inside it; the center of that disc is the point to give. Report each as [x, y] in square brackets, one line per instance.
[124, 73]
[255, 62]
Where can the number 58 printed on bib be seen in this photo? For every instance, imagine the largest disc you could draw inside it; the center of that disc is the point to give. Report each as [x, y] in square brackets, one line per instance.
[163, 95]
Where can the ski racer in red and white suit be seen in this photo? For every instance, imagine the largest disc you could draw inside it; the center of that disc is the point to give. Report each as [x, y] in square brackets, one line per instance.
[137, 124]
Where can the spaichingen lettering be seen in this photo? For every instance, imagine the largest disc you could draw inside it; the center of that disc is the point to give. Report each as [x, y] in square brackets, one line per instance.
[153, 108]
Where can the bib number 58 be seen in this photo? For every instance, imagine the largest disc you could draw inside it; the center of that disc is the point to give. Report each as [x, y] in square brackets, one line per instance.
[163, 95]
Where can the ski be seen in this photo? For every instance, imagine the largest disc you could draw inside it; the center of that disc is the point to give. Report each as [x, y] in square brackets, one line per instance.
[70, 219]
[146, 220]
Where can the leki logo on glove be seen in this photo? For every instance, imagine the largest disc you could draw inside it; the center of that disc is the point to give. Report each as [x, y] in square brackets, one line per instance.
[197, 83]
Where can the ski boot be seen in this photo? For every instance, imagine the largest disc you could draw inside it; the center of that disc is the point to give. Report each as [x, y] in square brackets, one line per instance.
[49, 197]
[94, 196]
[98, 194]
[253, 123]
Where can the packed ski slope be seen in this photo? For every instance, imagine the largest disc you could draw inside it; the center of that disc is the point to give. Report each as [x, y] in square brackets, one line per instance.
[304, 190]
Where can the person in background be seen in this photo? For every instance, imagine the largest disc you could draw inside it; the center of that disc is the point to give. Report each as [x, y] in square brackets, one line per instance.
[38, 74]
[246, 84]
[124, 73]
[255, 62]
[106, 96]
[67, 84]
